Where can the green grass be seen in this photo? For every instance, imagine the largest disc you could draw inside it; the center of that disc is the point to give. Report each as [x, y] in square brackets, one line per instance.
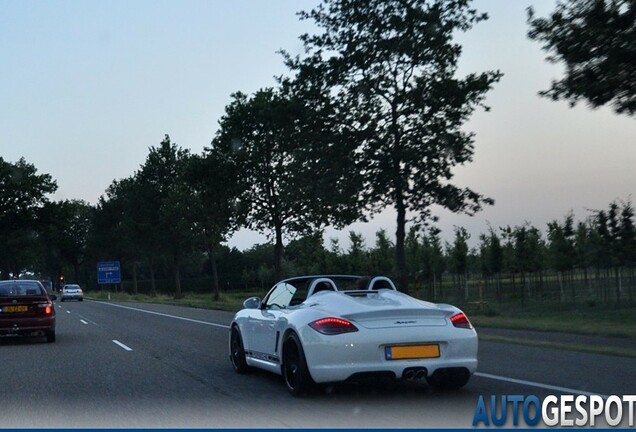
[579, 319]
[582, 319]
[595, 349]
[231, 301]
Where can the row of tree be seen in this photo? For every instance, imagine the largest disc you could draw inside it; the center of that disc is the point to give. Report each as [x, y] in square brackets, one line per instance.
[372, 115]
[569, 260]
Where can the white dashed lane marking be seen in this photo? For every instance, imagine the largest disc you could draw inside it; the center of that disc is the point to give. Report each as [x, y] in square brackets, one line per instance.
[116, 342]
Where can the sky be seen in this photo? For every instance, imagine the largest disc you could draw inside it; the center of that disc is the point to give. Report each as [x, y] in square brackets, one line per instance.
[86, 88]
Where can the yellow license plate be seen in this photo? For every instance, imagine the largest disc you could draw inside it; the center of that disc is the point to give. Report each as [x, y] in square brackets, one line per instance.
[15, 308]
[403, 352]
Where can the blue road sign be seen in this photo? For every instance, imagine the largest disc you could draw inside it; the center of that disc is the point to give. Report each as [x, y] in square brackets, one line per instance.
[108, 272]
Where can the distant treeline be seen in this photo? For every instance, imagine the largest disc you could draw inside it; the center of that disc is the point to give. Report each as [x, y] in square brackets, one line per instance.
[592, 261]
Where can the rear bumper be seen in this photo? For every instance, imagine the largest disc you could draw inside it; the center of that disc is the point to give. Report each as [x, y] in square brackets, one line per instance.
[338, 358]
[29, 325]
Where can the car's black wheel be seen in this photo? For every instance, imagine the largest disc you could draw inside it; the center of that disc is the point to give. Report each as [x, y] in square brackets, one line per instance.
[50, 336]
[449, 379]
[81, 299]
[61, 299]
[294, 368]
[237, 352]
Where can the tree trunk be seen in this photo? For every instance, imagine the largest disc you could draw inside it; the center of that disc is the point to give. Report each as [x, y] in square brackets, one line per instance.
[134, 276]
[153, 283]
[176, 263]
[400, 255]
[215, 273]
[278, 253]
[618, 285]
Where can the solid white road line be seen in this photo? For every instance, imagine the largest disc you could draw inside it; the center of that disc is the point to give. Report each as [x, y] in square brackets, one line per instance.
[116, 342]
[539, 385]
[166, 315]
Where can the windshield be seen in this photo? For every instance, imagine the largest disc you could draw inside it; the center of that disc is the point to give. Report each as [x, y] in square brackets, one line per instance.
[281, 296]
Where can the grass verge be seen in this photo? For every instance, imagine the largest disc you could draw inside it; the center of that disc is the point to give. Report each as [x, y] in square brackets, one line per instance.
[581, 320]
[594, 349]
[578, 319]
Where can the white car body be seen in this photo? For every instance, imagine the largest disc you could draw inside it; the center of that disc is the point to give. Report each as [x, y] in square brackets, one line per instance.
[387, 323]
[72, 292]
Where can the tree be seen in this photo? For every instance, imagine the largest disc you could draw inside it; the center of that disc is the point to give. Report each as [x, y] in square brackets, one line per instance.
[215, 185]
[434, 262]
[291, 168]
[68, 225]
[23, 192]
[491, 254]
[162, 209]
[357, 256]
[561, 248]
[596, 41]
[458, 254]
[307, 253]
[390, 68]
[380, 257]
[123, 229]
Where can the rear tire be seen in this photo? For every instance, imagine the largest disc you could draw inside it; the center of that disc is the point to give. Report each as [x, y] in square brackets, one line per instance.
[294, 367]
[50, 336]
[237, 352]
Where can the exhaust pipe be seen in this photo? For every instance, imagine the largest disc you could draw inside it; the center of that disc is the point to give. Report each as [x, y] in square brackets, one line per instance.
[414, 373]
[409, 375]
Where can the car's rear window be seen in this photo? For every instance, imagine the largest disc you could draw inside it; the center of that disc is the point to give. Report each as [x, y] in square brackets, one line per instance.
[71, 287]
[18, 289]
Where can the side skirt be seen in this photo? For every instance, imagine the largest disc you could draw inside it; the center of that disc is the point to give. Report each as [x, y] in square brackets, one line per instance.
[272, 364]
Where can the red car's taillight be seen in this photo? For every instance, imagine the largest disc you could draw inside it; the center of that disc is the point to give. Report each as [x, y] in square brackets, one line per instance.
[460, 320]
[44, 308]
[333, 326]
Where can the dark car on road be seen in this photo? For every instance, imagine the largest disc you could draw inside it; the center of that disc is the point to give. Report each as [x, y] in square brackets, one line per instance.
[26, 309]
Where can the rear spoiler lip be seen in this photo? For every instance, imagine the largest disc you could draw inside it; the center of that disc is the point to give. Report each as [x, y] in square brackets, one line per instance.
[400, 313]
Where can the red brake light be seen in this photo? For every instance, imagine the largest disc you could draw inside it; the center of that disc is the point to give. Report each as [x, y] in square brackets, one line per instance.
[333, 326]
[45, 308]
[460, 320]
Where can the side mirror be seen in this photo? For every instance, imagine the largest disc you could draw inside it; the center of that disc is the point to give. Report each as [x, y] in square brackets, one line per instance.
[53, 297]
[252, 303]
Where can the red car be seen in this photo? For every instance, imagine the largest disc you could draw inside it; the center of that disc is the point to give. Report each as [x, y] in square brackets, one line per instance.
[26, 309]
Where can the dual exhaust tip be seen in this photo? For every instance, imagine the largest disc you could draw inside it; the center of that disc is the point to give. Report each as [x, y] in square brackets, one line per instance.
[414, 374]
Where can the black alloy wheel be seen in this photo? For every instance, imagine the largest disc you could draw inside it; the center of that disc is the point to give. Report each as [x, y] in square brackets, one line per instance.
[237, 352]
[295, 371]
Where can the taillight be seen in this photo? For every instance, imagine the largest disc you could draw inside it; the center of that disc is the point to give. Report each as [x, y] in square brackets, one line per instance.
[460, 320]
[45, 308]
[333, 326]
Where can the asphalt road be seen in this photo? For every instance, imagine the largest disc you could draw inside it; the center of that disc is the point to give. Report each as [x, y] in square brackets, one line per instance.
[157, 366]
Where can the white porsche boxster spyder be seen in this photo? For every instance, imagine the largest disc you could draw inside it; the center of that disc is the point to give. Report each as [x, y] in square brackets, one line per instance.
[328, 329]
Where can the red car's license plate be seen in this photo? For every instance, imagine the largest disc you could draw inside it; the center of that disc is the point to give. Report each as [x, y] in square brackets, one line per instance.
[402, 352]
[14, 308]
